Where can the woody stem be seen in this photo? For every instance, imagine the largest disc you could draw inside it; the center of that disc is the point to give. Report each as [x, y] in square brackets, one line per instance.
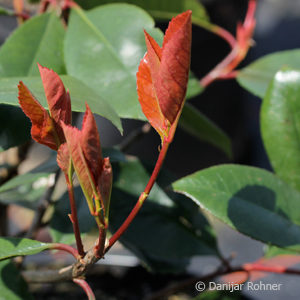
[99, 248]
[73, 217]
[142, 197]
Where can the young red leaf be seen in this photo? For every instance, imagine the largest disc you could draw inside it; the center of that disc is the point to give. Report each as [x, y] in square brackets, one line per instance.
[171, 83]
[94, 176]
[90, 142]
[85, 177]
[147, 98]
[42, 129]
[63, 158]
[105, 184]
[163, 74]
[58, 99]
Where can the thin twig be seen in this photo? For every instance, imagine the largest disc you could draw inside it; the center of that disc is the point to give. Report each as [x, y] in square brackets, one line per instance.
[73, 216]
[76, 270]
[85, 286]
[225, 69]
[142, 197]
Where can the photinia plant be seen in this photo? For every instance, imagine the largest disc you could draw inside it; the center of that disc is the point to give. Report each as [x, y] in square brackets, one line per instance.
[112, 61]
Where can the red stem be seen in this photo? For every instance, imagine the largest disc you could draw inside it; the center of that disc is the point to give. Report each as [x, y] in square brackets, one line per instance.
[66, 248]
[142, 197]
[226, 35]
[99, 248]
[239, 50]
[74, 218]
[270, 269]
[85, 286]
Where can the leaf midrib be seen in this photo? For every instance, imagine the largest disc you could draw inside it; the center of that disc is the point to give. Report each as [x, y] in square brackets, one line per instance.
[48, 22]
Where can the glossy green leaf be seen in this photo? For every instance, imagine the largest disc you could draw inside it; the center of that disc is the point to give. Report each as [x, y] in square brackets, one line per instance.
[25, 189]
[22, 179]
[26, 195]
[12, 285]
[40, 39]
[250, 200]
[79, 92]
[61, 228]
[158, 9]
[280, 125]
[111, 46]
[198, 125]
[167, 231]
[11, 247]
[257, 76]
[110, 49]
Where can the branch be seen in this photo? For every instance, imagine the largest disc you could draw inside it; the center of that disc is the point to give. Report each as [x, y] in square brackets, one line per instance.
[85, 286]
[77, 270]
[225, 69]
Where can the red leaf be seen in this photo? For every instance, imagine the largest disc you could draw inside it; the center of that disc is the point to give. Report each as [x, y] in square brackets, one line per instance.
[58, 99]
[90, 142]
[262, 268]
[105, 184]
[148, 99]
[172, 80]
[42, 129]
[276, 264]
[235, 277]
[85, 152]
[163, 74]
[63, 158]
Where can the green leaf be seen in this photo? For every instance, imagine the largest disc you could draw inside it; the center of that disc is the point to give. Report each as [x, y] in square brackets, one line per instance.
[110, 49]
[21, 179]
[280, 125]
[26, 195]
[40, 39]
[167, 231]
[11, 247]
[257, 76]
[25, 189]
[79, 92]
[61, 228]
[272, 251]
[111, 46]
[193, 88]
[12, 285]
[198, 125]
[6, 12]
[250, 200]
[158, 9]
